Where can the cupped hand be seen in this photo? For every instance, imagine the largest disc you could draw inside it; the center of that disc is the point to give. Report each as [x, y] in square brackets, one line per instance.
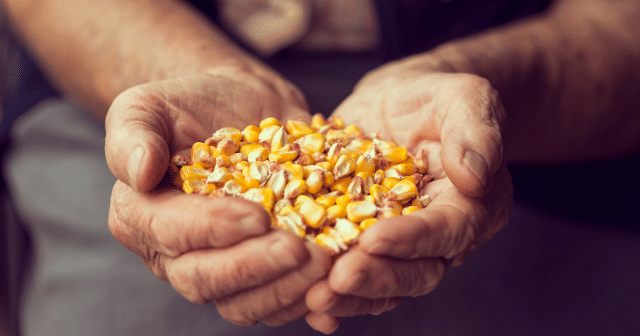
[454, 120]
[218, 250]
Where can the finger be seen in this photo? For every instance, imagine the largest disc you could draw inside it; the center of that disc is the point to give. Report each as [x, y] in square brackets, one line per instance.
[205, 275]
[261, 302]
[360, 274]
[472, 148]
[172, 223]
[323, 323]
[449, 225]
[136, 146]
[287, 315]
[322, 299]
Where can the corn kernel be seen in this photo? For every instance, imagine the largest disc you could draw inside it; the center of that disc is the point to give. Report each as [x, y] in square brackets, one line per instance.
[346, 230]
[293, 170]
[259, 170]
[361, 210]
[404, 190]
[262, 196]
[344, 166]
[365, 224]
[298, 128]
[285, 154]
[313, 143]
[191, 186]
[352, 130]
[341, 185]
[330, 243]
[389, 182]
[336, 122]
[378, 193]
[327, 200]
[268, 133]
[315, 181]
[338, 136]
[317, 121]
[366, 164]
[336, 211]
[313, 213]
[394, 154]
[251, 133]
[191, 173]
[279, 140]
[198, 150]
[266, 122]
[409, 209]
[227, 132]
[343, 200]
[295, 188]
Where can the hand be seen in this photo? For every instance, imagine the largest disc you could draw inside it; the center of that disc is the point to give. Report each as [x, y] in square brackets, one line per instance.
[456, 119]
[218, 250]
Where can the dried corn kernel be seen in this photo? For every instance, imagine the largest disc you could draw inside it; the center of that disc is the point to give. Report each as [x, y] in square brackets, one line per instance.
[321, 181]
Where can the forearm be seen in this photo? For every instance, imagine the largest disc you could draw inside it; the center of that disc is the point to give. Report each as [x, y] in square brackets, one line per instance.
[93, 50]
[568, 80]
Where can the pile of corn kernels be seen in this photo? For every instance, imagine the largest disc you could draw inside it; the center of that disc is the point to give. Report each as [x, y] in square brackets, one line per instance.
[322, 181]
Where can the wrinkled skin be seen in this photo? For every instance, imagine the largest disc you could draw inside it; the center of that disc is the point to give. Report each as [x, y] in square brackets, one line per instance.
[218, 250]
[447, 115]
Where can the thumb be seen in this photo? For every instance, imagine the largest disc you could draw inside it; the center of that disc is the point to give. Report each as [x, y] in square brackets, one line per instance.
[472, 152]
[135, 146]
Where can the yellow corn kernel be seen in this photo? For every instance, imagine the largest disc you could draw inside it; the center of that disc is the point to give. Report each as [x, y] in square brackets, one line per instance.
[378, 193]
[355, 187]
[267, 134]
[283, 206]
[331, 244]
[293, 170]
[336, 122]
[271, 121]
[277, 182]
[313, 213]
[308, 169]
[423, 200]
[329, 179]
[258, 170]
[283, 155]
[333, 154]
[240, 165]
[198, 150]
[251, 133]
[317, 121]
[346, 230]
[248, 148]
[295, 188]
[315, 181]
[389, 182]
[361, 146]
[305, 158]
[298, 128]
[392, 172]
[326, 165]
[411, 178]
[409, 209]
[227, 132]
[220, 176]
[227, 146]
[367, 182]
[237, 157]
[379, 176]
[233, 188]
[343, 200]
[405, 169]
[369, 198]
[313, 143]
[395, 154]
[300, 200]
[191, 186]
[191, 173]
[262, 196]
[361, 210]
[279, 140]
[336, 211]
[337, 136]
[341, 185]
[352, 130]
[344, 166]
[366, 164]
[258, 154]
[404, 190]
[365, 224]
[246, 182]
[327, 200]
[350, 153]
[291, 222]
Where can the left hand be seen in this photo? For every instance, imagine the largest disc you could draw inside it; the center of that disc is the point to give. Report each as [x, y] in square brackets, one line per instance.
[457, 119]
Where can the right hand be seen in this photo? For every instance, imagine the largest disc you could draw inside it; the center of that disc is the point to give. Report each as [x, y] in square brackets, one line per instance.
[219, 250]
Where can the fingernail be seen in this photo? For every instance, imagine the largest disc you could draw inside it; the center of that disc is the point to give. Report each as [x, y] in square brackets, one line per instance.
[133, 165]
[252, 224]
[477, 165]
